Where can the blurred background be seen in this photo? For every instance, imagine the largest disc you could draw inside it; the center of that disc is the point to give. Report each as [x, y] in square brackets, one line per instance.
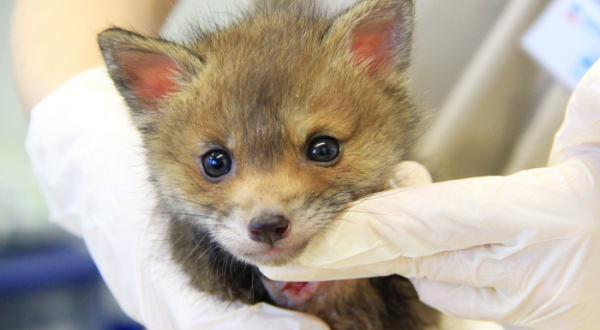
[494, 77]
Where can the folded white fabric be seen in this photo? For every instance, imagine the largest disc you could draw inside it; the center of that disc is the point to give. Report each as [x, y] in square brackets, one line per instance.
[522, 249]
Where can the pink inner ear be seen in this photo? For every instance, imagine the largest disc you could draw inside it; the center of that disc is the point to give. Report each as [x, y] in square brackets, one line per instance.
[151, 75]
[373, 44]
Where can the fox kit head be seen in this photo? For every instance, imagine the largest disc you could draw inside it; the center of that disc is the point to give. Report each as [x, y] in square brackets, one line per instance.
[261, 133]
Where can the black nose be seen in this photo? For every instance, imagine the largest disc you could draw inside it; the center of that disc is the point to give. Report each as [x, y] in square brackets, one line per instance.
[268, 228]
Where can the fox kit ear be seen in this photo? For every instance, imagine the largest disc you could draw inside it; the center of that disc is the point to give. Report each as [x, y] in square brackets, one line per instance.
[375, 34]
[146, 70]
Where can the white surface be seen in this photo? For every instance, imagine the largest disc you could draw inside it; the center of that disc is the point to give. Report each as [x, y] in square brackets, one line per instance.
[489, 106]
[566, 39]
[533, 148]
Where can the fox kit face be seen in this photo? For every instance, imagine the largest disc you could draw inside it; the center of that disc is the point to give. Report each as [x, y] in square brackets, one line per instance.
[261, 133]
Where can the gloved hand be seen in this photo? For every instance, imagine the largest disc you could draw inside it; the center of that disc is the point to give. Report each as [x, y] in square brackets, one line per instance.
[89, 162]
[523, 250]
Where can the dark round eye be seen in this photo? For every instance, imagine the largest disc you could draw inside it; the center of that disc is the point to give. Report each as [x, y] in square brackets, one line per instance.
[216, 163]
[323, 149]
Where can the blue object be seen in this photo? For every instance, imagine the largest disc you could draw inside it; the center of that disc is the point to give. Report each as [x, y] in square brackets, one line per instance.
[37, 268]
[51, 281]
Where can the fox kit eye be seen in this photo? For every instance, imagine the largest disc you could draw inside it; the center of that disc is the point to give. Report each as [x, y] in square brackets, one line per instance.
[323, 149]
[216, 163]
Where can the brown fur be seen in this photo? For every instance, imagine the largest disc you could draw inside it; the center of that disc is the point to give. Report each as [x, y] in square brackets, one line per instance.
[262, 88]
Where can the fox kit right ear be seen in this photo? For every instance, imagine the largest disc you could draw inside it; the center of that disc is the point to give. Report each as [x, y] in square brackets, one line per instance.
[375, 35]
[146, 70]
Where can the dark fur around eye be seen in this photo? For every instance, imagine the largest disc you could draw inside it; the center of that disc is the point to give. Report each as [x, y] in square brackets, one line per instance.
[216, 163]
[323, 149]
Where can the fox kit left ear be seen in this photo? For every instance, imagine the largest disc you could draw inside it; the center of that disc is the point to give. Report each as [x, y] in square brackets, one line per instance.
[146, 70]
[376, 35]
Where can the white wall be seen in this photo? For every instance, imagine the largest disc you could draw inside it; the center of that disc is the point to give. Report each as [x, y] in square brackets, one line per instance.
[21, 204]
[447, 35]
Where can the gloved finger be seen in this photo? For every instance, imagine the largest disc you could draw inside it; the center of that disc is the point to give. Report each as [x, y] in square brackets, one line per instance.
[410, 174]
[297, 272]
[463, 300]
[514, 211]
[482, 266]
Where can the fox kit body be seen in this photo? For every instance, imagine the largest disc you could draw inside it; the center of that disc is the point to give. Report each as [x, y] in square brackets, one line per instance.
[258, 135]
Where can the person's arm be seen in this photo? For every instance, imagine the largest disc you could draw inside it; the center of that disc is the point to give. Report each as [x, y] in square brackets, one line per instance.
[51, 41]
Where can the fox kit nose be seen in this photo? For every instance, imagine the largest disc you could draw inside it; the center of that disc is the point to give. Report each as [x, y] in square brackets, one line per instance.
[268, 228]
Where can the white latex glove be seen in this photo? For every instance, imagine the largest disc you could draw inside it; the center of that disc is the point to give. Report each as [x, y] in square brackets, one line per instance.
[89, 162]
[523, 250]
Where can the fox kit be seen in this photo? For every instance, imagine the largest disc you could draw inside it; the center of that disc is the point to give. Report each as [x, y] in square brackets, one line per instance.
[260, 134]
